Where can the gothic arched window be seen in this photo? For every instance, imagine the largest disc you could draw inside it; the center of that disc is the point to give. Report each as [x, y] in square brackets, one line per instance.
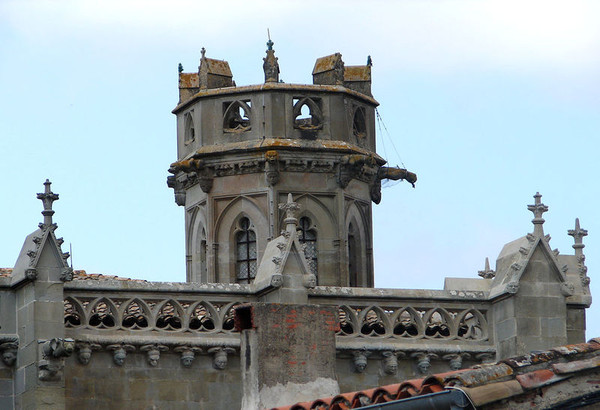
[353, 255]
[245, 241]
[190, 133]
[308, 237]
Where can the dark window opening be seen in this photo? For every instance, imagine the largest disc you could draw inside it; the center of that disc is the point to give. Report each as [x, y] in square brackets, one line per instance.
[245, 252]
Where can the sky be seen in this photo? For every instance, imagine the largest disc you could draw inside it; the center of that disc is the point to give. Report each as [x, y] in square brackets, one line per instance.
[487, 101]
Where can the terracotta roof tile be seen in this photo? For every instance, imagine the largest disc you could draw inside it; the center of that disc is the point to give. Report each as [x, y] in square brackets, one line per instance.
[483, 384]
[5, 272]
[82, 275]
[538, 378]
[575, 366]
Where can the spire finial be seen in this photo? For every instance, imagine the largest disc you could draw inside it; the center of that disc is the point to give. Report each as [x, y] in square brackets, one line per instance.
[291, 209]
[487, 273]
[180, 68]
[47, 197]
[203, 52]
[270, 65]
[578, 235]
[369, 61]
[538, 210]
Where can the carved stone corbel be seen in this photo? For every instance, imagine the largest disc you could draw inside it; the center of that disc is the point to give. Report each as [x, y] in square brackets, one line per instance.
[390, 361]
[84, 351]
[153, 353]
[272, 167]
[120, 352]
[9, 353]
[456, 360]
[424, 360]
[360, 360]
[220, 356]
[31, 274]
[188, 354]
[178, 189]
[66, 275]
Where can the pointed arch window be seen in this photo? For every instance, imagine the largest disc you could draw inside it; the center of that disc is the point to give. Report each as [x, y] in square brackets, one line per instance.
[246, 255]
[236, 117]
[203, 263]
[353, 255]
[308, 237]
[190, 132]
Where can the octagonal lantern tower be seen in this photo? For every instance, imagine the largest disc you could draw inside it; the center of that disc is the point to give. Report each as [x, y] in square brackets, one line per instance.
[242, 149]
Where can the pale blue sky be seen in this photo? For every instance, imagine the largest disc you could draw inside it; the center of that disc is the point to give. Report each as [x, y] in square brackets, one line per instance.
[487, 101]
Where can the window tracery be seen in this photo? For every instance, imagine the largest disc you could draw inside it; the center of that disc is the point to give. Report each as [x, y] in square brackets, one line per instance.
[246, 255]
[308, 237]
[236, 117]
[190, 132]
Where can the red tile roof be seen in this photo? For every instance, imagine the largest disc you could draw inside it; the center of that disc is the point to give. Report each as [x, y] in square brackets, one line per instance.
[483, 384]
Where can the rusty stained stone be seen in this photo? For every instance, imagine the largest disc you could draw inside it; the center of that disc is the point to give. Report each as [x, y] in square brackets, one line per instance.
[538, 378]
[326, 63]
[570, 367]
[477, 377]
[531, 358]
[271, 143]
[189, 80]
[218, 67]
[357, 73]
[569, 350]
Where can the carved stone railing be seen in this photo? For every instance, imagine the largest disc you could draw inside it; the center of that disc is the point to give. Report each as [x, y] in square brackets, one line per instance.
[409, 320]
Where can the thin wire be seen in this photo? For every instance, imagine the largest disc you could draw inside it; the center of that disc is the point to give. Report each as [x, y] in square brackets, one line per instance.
[380, 122]
[385, 156]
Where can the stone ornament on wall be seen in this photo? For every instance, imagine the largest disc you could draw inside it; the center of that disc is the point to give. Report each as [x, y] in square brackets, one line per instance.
[52, 354]
[188, 354]
[424, 360]
[84, 351]
[360, 360]
[120, 352]
[390, 361]
[456, 360]
[9, 353]
[153, 352]
[220, 356]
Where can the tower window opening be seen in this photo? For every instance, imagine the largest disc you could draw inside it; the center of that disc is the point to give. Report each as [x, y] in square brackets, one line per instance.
[359, 124]
[190, 133]
[353, 256]
[308, 237]
[307, 116]
[245, 240]
[236, 117]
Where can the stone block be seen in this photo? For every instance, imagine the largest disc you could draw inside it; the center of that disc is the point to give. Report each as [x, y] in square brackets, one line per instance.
[168, 390]
[504, 310]
[506, 329]
[7, 403]
[529, 326]
[553, 327]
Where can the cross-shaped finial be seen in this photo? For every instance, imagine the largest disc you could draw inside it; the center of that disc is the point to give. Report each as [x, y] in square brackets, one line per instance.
[538, 210]
[203, 52]
[578, 235]
[180, 68]
[270, 44]
[47, 197]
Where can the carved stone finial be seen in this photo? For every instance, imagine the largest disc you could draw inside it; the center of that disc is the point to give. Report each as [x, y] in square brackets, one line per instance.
[487, 273]
[369, 61]
[47, 197]
[538, 209]
[180, 68]
[291, 209]
[203, 52]
[270, 65]
[578, 235]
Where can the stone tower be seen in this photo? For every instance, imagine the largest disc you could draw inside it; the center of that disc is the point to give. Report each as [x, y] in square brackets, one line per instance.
[242, 149]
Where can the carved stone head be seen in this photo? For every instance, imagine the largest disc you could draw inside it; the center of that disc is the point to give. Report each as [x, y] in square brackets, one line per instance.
[276, 281]
[84, 355]
[119, 356]
[153, 357]
[9, 357]
[220, 360]
[309, 281]
[187, 358]
[390, 363]
[360, 361]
